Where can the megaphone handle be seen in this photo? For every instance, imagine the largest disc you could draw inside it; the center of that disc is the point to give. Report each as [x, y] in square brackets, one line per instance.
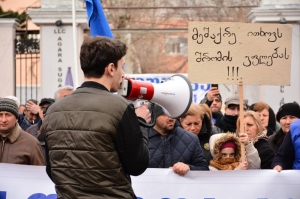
[150, 125]
[144, 124]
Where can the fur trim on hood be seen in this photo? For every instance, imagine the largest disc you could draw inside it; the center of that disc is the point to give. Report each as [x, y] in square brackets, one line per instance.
[217, 140]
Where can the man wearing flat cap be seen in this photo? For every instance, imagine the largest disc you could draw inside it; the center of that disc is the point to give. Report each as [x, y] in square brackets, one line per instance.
[18, 147]
[227, 123]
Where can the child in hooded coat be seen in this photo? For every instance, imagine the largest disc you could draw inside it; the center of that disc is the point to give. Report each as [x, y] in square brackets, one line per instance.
[226, 152]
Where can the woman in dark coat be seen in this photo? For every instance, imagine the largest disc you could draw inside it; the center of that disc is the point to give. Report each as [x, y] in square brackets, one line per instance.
[197, 120]
[286, 114]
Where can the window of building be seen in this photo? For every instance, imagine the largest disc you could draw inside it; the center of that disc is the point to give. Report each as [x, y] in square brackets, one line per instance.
[176, 45]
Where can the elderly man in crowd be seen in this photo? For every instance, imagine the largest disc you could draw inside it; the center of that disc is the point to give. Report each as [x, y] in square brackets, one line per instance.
[17, 146]
[62, 92]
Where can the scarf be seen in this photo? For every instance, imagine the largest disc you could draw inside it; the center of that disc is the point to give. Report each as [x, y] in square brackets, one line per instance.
[224, 163]
[216, 116]
[227, 123]
[259, 136]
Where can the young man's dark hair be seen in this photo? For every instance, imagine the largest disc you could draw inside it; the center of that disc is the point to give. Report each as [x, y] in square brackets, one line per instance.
[97, 52]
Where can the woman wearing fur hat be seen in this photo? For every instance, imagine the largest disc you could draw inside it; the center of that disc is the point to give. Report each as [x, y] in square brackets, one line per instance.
[286, 114]
[226, 151]
[254, 129]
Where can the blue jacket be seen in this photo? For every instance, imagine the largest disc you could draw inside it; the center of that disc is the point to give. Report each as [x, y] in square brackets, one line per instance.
[295, 136]
[178, 146]
[288, 155]
[23, 122]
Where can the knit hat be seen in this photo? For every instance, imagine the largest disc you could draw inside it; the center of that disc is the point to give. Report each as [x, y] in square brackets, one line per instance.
[156, 110]
[9, 105]
[14, 98]
[236, 101]
[292, 108]
[228, 144]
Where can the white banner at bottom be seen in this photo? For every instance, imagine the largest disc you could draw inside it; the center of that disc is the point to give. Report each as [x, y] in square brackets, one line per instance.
[32, 182]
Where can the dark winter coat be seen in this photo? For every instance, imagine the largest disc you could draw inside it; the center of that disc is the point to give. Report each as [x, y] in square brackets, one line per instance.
[276, 140]
[23, 122]
[179, 146]
[266, 153]
[204, 136]
[20, 148]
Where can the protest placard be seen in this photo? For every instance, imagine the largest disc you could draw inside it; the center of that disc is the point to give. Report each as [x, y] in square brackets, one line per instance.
[230, 53]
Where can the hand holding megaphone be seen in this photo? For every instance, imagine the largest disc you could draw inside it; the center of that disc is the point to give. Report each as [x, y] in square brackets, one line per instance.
[174, 95]
[143, 112]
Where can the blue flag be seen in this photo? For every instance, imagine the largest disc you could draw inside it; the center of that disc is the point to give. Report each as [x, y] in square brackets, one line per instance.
[97, 19]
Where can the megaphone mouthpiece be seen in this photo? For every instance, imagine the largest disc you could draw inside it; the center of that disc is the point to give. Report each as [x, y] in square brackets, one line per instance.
[140, 90]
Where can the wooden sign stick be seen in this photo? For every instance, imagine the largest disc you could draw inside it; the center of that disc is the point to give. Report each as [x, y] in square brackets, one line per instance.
[242, 128]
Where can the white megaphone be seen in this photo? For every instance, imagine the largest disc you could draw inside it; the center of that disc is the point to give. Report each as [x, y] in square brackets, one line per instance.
[174, 95]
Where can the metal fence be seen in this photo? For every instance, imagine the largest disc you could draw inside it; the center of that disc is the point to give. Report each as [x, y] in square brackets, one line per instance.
[27, 66]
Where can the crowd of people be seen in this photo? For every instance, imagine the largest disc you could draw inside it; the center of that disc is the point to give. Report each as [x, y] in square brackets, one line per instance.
[91, 140]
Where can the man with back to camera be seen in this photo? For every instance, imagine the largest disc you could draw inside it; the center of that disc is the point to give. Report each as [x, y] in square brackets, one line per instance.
[93, 136]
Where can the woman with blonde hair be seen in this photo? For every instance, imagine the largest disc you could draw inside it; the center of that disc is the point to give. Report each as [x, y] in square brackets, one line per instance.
[254, 129]
[197, 121]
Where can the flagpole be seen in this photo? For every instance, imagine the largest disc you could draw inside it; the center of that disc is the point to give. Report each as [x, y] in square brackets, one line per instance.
[75, 44]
